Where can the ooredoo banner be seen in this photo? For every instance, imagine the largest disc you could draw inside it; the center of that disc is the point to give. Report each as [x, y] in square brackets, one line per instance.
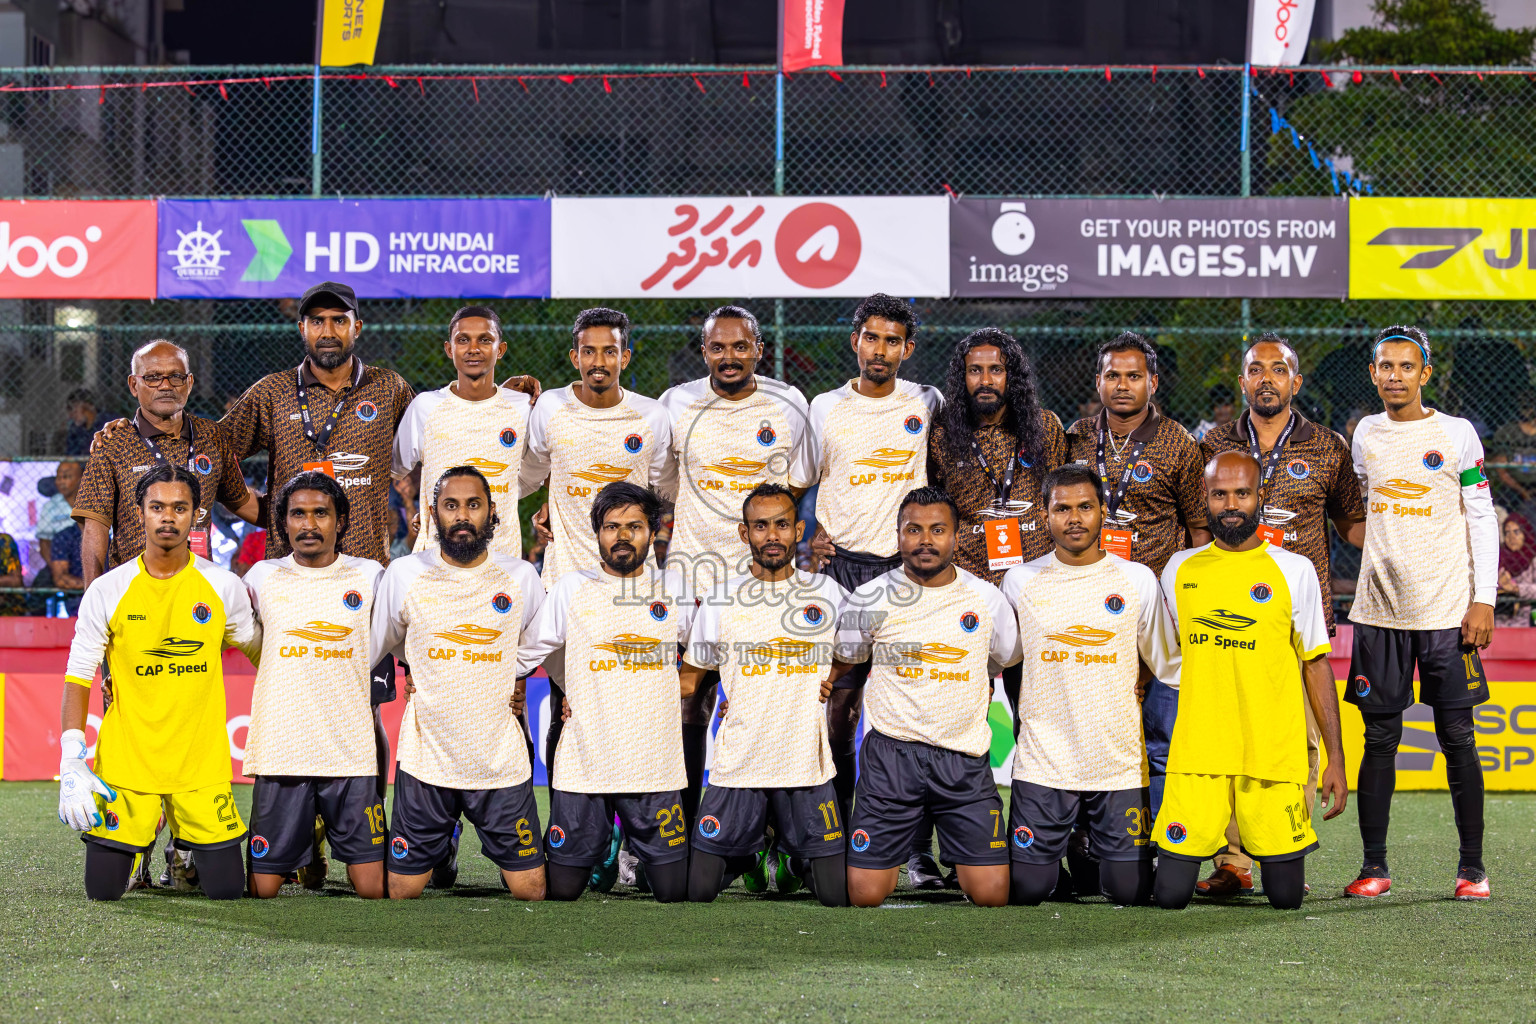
[633, 248]
[383, 248]
[77, 249]
[1143, 248]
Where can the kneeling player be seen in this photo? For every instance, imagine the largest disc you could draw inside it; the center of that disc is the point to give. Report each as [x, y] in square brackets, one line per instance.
[1084, 617]
[1250, 616]
[621, 750]
[935, 636]
[310, 746]
[160, 621]
[773, 764]
[457, 614]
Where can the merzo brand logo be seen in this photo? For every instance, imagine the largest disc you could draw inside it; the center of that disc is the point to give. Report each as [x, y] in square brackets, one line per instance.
[1443, 243]
[28, 256]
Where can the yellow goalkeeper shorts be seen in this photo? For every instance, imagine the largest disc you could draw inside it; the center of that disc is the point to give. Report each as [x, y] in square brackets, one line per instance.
[204, 818]
[1274, 818]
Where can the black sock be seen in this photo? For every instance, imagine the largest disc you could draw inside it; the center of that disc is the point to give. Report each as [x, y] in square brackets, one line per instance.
[829, 880]
[1029, 885]
[669, 882]
[1175, 884]
[1377, 782]
[846, 766]
[221, 873]
[922, 845]
[1285, 882]
[1464, 774]
[106, 872]
[706, 876]
[552, 737]
[695, 741]
[564, 882]
[1126, 882]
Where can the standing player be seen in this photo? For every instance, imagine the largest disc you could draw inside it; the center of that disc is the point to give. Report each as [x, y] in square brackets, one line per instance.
[1250, 616]
[1306, 480]
[769, 633]
[872, 448]
[470, 422]
[1088, 621]
[310, 745]
[457, 616]
[161, 622]
[621, 750]
[1427, 582]
[731, 431]
[934, 636]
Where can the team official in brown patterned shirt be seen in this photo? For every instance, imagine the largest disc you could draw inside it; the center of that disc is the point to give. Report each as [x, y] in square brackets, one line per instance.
[161, 433]
[1306, 478]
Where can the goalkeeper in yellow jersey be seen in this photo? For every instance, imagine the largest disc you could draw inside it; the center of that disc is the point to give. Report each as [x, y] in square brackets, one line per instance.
[161, 622]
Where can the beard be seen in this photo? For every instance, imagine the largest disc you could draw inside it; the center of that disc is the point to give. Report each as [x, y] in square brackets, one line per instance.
[1238, 534]
[622, 560]
[462, 546]
[1267, 405]
[773, 563]
[878, 374]
[983, 402]
[732, 386]
[329, 359]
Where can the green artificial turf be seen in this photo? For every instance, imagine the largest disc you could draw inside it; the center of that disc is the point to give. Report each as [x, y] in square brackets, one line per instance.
[474, 954]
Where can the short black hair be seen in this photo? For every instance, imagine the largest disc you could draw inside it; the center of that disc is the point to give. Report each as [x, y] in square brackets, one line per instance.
[1222, 395]
[485, 312]
[1403, 332]
[600, 316]
[1070, 475]
[1271, 338]
[886, 307]
[769, 489]
[1127, 341]
[622, 494]
[80, 396]
[313, 480]
[929, 496]
[168, 475]
[453, 471]
[733, 313]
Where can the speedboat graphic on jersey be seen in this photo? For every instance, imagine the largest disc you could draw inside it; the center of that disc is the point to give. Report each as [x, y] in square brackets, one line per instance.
[625, 644]
[1404, 489]
[1082, 636]
[1006, 510]
[1223, 619]
[469, 633]
[1122, 517]
[1274, 515]
[937, 654]
[886, 458]
[782, 647]
[733, 466]
[601, 473]
[175, 647]
[346, 462]
[321, 631]
[486, 466]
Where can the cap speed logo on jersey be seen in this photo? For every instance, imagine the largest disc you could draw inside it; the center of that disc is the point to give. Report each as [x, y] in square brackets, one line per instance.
[766, 436]
[633, 443]
[1142, 472]
[200, 613]
[1362, 686]
[367, 411]
[1261, 592]
[352, 600]
[259, 846]
[399, 847]
[969, 621]
[709, 826]
[1176, 833]
[659, 611]
[1298, 469]
[501, 603]
[913, 424]
[1023, 838]
[860, 840]
[507, 437]
[1114, 604]
[203, 464]
[556, 837]
[1433, 460]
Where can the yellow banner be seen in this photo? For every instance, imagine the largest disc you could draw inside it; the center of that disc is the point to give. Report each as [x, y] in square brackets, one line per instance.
[1442, 248]
[351, 32]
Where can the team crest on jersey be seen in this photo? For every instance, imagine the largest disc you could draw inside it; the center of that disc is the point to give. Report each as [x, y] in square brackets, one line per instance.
[913, 424]
[860, 840]
[201, 613]
[1298, 469]
[507, 437]
[766, 436]
[502, 603]
[813, 615]
[1261, 592]
[709, 826]
[969, 621]
[1176, 833]
[633, 443]
[1142, 471]
[1433, 460]
[398, 847]
[1025, 463]
[659, 611]
[259, 846]
[110, 820]
[352, 600]
[1114, 604]
[367, 412]
[1023, 838]
[203, 464]
[556, 837]
[1362, 686]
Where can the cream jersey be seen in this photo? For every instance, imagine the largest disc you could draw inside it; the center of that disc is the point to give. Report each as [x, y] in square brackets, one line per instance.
[1084, 630]
[441, 430]
[580, 450]
[459, 630]
[1431, 533]
[723, 449]
[933, 653]
[311, 711]
[620, 637]
[869, 453]
[772, 643]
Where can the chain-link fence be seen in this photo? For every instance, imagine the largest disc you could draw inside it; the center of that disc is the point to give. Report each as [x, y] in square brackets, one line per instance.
[617, 131]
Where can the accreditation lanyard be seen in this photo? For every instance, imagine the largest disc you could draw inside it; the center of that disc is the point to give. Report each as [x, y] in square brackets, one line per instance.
[1005, 487]
[1113, 539]
[1003, 535]
[318, 438]
[197, 539]
[1274, 534]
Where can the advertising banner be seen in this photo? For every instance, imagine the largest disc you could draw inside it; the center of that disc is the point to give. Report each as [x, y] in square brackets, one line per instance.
[841, 246]
[1143, 248]
[813, 33]
[1278, 30]
[383, 248]
[1442, 248]
[66, 249]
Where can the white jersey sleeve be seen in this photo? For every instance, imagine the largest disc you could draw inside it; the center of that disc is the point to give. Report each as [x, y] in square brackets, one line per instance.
[89, 646]
[386, 632]
[702, 648]
[411, 434]
[856, 629]
[241, 629]
[1482, 520]
[662, 476]
[933, 398]
[1170, 600]
[546, 633]
[803, 453]
[1309, 628]
[533, 470]
[819, 408]
[1005, 647]
[1156, 639]
[532, 588]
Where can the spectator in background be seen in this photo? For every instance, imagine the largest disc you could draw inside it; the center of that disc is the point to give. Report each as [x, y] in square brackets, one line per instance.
[54, 517]
[1515, 445]
[10, 576]
[402, 507]
[1222, 408]
[1517, 553]
[252, 550]
[66, 565]
[84, 420]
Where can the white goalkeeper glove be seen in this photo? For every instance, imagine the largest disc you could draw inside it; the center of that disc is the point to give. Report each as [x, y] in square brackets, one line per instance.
[78, 785]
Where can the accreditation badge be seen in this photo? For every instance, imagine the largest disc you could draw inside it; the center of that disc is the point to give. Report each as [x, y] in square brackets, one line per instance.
[1116, 542]
[1005, 545]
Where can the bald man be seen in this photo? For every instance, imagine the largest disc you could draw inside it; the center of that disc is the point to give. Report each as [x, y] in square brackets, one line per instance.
[1249, 618]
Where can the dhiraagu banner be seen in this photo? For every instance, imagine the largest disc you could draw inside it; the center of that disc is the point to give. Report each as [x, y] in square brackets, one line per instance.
[1442, 248]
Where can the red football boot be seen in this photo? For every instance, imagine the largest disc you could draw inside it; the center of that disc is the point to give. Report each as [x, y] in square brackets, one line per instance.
[1467, 889]
[1368, 888]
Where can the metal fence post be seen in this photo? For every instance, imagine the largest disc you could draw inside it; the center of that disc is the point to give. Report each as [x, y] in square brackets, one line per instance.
[778, 190]
[1247, 178]
[314, 138]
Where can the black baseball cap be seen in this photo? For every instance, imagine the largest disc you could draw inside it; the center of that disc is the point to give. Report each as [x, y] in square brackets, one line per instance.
[329, 295]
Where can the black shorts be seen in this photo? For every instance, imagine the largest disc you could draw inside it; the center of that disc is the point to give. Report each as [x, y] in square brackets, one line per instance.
[851, 570]
[1040, 820]
[581, 826]
[901, 784]
[283, 809]
[1381, 670]
[731, 820]
[424, 816]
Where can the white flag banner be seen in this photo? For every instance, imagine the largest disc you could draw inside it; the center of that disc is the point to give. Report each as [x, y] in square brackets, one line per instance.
[659, 247]
[1278, 31]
